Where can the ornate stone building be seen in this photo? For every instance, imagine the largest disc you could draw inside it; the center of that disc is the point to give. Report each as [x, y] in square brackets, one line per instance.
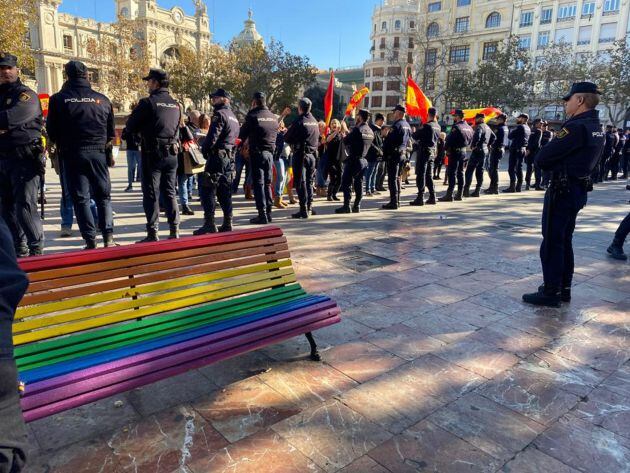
[57, 37]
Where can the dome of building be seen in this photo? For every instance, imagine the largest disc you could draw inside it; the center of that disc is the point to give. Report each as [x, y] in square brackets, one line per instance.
[249, 35]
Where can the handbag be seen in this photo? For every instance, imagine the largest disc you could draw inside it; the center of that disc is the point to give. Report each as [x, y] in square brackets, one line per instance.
[194, 162]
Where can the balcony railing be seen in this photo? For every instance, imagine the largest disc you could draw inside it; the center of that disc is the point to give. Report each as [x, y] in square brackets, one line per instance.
[607, 40]
[582, 42]
[566, 18]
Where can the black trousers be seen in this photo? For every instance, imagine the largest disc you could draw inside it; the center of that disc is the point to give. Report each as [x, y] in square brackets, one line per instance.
[622, 231]
[217, 183]
[495, 158]
[381, 172]
[159, 178]
[304, 177]
[558, 224]
[353, 177]
[262, 176]
[604, 166]
[395, 163]
[614, 165]
[515, 167]
[19, 192]
[455, 170]
[424, 173]
[475, 166]
[88, 178]
[333, 170]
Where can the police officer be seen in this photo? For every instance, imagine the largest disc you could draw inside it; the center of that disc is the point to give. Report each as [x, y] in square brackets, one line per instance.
[496, 153]
[547, 136]
[615, 250]
[21, 159]
[519, 137]
[483, 138]
[303, 136]
[426, 137]
[13, 284]
[571, 157]
[617, 154]
[219, 149]
[533, 146]
[357, 144]
[459, 138]
[261, 128]
[81, 123]
[625, 160]
[609, 150]
[395, 154]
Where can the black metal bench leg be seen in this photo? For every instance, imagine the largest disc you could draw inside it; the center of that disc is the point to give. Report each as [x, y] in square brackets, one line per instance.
[315, 356]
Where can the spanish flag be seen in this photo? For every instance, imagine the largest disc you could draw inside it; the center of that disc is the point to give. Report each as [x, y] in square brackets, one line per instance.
[329, 100]
[489, 112]
[356, 99]
[417, 103]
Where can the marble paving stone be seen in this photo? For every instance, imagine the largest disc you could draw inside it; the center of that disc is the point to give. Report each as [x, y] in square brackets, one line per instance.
[541, 325]
[438, 294]
[480, 358]
[361, 360]
[417, 277]
[404, 342]
[534, 394]
[355, 294]
[92, 456]
[347, 330]
[331, 434]
[170, 392]
[487, 425]
[606, 409]
[307, 383]
[365, 464]
[427, 447]
[532, 460]
[388, 284]
[512, 340]
[163, 442]
[83, 422]
[264, 452]
[244, 408]
[407, 304]
[441, 327]
[296, 349]
[499, 302]
[376, 315]
[619, 381]
[599, 292]
[241, 367]
[468, 284]
[585, 446]
[470, 313]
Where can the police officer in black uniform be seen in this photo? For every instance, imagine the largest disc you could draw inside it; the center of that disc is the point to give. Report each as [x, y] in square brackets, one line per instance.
[303, 136]
[261, 128]
[457, 141]
[426, 137]
[219, 150]
[395, 153]
[533, 146]
[357, 144]
[81, 123]
[157, 118]
[13, 284]
[21, 159]
[496, 153]
[519, 137]
[571, 157]
[483, 138]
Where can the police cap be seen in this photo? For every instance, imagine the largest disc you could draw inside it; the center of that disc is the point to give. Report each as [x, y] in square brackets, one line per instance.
[157, 74]
[400, 108]
[76, 70]
[8, 60]
[582, 88]
[524, 115]
[538, 120]
[259, 96]
[459, 112]
[502, 116]
[305, 103]
[221, 93]
[480, 115]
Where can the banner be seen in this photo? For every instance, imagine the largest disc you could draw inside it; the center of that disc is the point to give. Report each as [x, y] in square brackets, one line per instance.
[44, 99]
[418, 104]
[356, 99]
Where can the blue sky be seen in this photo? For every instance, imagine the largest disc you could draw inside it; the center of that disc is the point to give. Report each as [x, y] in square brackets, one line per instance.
[311, 28]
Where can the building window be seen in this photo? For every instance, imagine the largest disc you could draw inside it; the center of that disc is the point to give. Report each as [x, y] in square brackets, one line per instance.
[395, 55]
[393, 85]
[527, 19]
[454, 76]
[397, 24]
[394, 71]
[433, 30]
[379, 72]
[564, 35]
[611, 6]
[375, 27]
[459, 54]
[435, 6]
[410, 45]
[410, 57]
[567, 12]
[463, 3]
[429, 81]
[391, 100]
[546, 15]
[525, 42]
[67, 41]
[584, 35]
[367, 73]
[412, 25]
[543, 39]
[493, 20]
[384, 26]
[461, 24]
[377, 101]
[608, 32]
[430, 57]
[382, 55]
[396, 42]
[93, 76]
[377, 85]
[489, 50]
[367, 102]
[382, 44]
[588, 9]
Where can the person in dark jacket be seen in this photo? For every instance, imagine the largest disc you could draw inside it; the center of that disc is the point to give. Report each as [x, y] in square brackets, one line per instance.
[570, 157]
[483, 139]
[427, 137]
[615, 161]
[375, 155]
[519, 138]
[334, 162]
[134, 161]
[13, 284]
[439, 159]
[496, 153]
[395, 153]
[625, 160]
[459, 138]
[609, 150]
[533, 146]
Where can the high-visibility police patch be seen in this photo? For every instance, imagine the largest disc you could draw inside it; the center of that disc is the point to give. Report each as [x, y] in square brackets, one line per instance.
[562, 133]
[24, 97]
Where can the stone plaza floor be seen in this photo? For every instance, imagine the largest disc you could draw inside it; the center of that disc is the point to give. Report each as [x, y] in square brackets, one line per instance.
[437, 365]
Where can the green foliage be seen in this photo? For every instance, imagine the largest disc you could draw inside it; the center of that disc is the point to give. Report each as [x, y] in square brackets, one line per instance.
[14, 19]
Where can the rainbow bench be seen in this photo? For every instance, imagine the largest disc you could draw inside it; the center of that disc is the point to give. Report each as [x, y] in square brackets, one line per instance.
[97, 323]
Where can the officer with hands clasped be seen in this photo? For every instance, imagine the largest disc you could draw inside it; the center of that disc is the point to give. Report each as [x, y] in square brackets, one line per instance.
[218, 149]
[483, 138]
[519, 139]
[157, 119]
[395, 153]
[21, 159]
[459, 138]
[81, 123]
[571, 158]
[427, 137]
[496, 153]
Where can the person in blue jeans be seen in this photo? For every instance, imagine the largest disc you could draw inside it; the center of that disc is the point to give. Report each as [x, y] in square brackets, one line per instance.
[134, 163]
[281, 163]
[66, 208]
[375, 155]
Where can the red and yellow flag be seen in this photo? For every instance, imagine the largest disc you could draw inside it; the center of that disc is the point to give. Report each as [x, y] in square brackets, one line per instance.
[356, 99]
[329, 100]
[418, 104]
[489, 112]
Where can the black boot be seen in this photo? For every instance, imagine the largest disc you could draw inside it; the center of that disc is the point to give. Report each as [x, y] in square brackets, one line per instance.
[390, 206]
[260, 220]
[345, 209]
[302, 213]
[226, 226]
[431, 200]
[356, 208]
[310, 211]
[615, 250]
[208, 227]
[108, 240]
[565, 293]
[448, 197]
[544, 297]
[173, 232]
[419, 201]
[269, 214]
[152, 235]
[491, 190]
[509, 190]
[186, 210]
[458, 194]
[475, 193]
[466, 191]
